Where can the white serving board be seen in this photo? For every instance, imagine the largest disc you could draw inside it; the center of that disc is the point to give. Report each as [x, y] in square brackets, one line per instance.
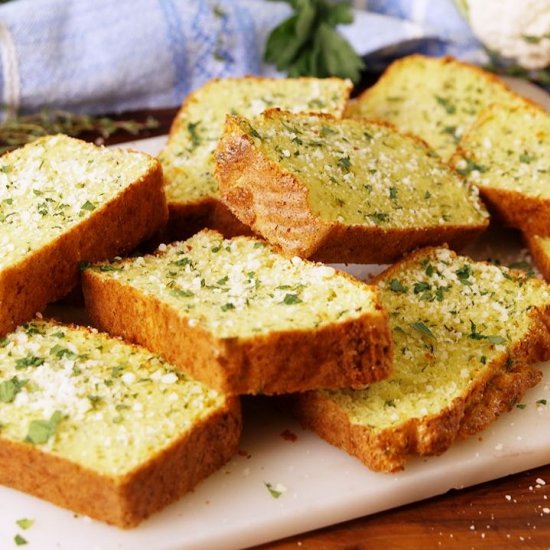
[234, 509]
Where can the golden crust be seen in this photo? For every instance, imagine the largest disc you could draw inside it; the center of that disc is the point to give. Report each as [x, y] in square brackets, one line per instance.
[512, 208]
[500, 395]
[345, 354]
[51, 272]
[128, 499]
[539, 254]
[275, 204]
[389, 450]
[500, 386]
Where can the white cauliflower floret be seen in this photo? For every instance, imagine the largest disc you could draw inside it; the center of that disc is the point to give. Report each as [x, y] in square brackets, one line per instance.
[514, 29]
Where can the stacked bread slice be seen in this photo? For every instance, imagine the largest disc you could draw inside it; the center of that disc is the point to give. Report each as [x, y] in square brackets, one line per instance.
[188, 158]
[506, 155]
[242, 318]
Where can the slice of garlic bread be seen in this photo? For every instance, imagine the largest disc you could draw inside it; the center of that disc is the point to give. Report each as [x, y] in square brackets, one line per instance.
[465, 334]
[437, 99]
[105, 428]
[242, 318]
[62, 202]
[342, 190]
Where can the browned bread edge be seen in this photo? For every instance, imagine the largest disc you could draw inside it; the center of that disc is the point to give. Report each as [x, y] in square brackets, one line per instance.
[116, 227]
[540, 257]
[345, 354]
[501, 386]
[512, 208]
[275, 204]
[128, 499]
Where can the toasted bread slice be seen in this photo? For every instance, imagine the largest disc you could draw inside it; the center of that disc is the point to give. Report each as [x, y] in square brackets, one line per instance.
[242, 318]
[62, 202]
[104, 428]
[506, 155]
[437, 99]
[465, 334]
[342, 190]
[188, 159]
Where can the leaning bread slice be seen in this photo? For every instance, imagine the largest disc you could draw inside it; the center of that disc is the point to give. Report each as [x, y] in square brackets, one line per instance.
[104, 428]
[342, 190]
[242, 318]
[506, 155]
[437, 99]
[63, 201]
[188, 159]
[464, 335]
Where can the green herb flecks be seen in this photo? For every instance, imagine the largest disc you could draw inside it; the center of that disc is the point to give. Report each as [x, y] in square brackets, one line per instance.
[307, 43]
[378, 217]
[397, 286]
[60, 351]
[290, 299]
[273, 491]
[475, 335]
[10, 388]
[464, 274]
[470, 166]
[446, 104]
[194, 134]
[345, 164]
[19, 540]
[28, 361]
[88, 205]
[40, 431]
[181, 293]
[526, 158]
[423, 329]
[25, 523]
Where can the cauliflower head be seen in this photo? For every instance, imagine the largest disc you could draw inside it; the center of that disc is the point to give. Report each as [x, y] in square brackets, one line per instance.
[517, 30]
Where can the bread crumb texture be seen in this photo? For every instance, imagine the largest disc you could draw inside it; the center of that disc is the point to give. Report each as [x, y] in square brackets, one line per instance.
[94, 400]
[365, 173]
[241, 288]
[507, 149]
[188, 159]
[53, 184]
[437, 99]
[450, 319]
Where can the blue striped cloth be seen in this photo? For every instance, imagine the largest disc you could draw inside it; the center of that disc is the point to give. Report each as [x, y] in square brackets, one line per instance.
[116, 55]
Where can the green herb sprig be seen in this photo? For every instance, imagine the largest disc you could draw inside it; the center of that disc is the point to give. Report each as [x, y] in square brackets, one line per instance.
[307, 43]
[22, 129]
